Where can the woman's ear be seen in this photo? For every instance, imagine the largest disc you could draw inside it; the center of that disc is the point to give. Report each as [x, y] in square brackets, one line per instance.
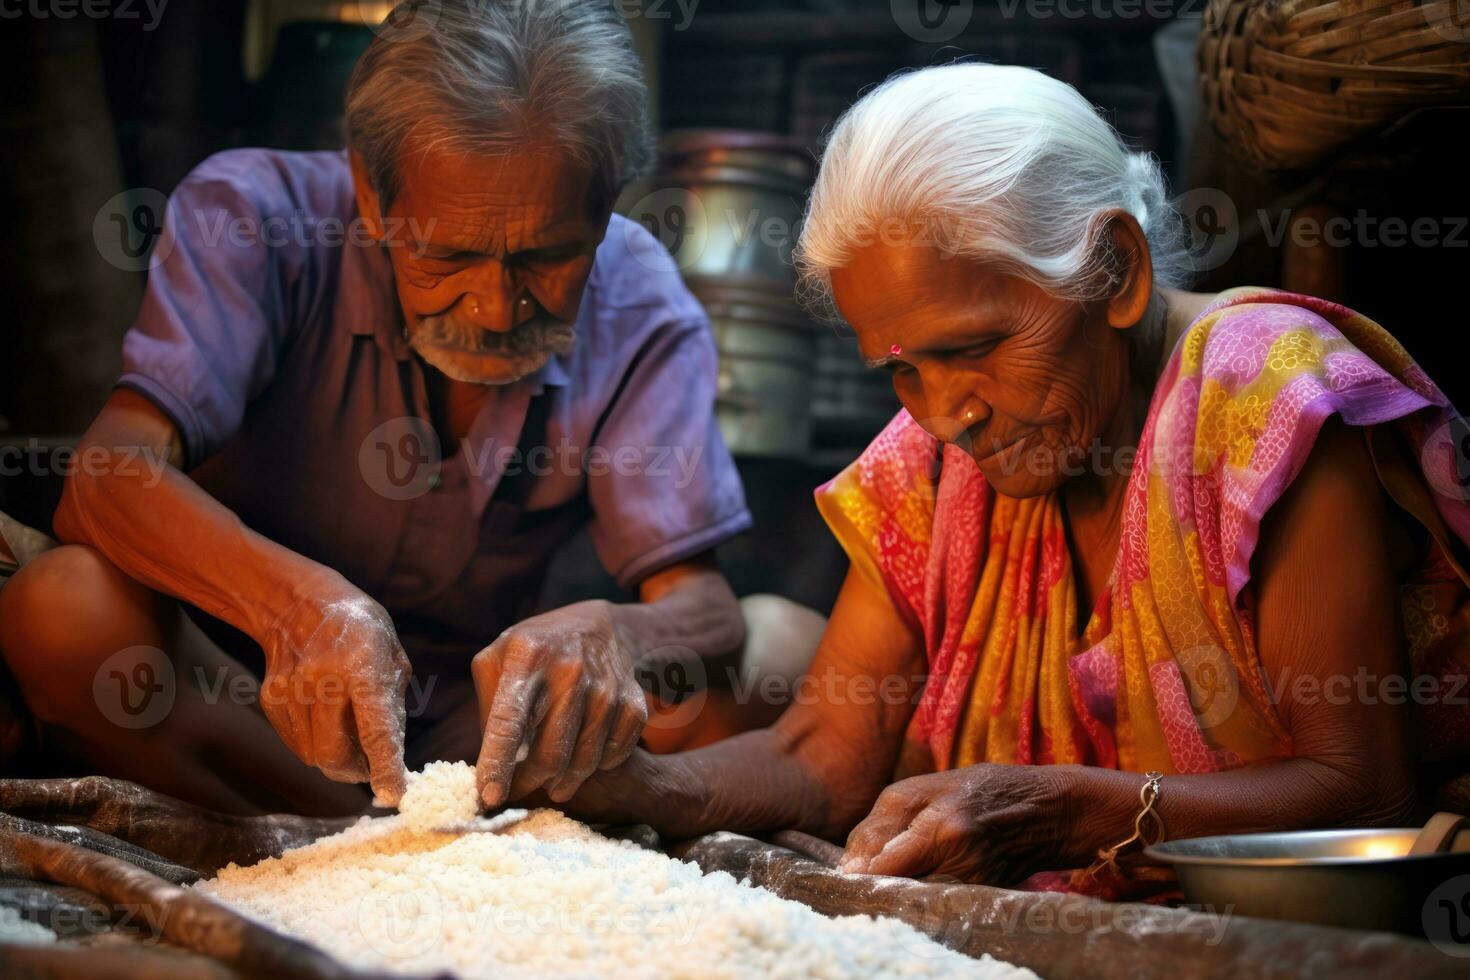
[1133, 266]
[369, 208]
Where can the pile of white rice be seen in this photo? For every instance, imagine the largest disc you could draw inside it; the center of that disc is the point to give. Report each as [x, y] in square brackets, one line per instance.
[442, 797]
[547, 897]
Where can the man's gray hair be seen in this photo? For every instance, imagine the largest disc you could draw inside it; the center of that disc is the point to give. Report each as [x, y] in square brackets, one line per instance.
[484, 76]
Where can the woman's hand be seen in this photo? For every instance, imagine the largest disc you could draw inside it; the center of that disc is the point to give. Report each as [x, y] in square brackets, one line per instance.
[334, 684]
[558, 701]
[991, 824]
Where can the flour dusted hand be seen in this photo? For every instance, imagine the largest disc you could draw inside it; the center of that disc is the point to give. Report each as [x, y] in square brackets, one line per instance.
[559, 700]
[334, 687]
[987, 824]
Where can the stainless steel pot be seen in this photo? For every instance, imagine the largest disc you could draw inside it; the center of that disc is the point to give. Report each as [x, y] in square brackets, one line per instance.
[731, 202]
[1358, 879]
[767, 356]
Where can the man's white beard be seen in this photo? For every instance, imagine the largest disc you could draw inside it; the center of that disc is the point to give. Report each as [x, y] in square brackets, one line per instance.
[527, 348]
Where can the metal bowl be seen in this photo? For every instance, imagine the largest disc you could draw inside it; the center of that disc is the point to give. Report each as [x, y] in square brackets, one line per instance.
[1356, 879]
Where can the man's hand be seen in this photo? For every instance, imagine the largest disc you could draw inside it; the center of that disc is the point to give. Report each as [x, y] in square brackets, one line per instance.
[334, 687]
[989, 824]
[558, 701]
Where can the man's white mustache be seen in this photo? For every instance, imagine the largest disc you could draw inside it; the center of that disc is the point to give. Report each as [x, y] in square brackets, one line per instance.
[537, 336]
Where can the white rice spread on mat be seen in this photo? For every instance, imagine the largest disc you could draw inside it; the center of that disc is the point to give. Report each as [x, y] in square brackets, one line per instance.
[548, 897]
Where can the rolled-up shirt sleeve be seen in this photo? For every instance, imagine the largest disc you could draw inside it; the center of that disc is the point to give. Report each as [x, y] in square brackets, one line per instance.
[212, 323]
[661, 482]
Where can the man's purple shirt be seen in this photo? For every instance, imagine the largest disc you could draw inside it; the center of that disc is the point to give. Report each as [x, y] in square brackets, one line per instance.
[271, 334]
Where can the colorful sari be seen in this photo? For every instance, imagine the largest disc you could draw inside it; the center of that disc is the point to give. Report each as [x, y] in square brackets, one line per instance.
[1165, 673]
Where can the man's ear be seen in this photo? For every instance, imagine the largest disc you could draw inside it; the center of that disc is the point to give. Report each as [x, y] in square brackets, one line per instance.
[368, 205]
[1134, 268]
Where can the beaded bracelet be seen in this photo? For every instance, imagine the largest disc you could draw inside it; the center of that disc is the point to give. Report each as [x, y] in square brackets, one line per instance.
[1148, 827]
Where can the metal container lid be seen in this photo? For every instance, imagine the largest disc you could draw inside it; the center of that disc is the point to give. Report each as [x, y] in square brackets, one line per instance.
[738, 155]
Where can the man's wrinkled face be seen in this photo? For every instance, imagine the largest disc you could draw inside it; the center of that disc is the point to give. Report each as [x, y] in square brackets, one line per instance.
[502, 247]
[1023, 381]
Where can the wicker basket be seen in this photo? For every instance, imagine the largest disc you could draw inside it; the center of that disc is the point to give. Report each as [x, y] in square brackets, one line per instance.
[1289, 82]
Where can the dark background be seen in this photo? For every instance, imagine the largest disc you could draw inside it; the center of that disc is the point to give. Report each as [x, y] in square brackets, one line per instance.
[98, 106]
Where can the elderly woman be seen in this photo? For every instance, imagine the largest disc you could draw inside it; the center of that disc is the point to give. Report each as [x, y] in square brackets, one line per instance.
[1126, 548]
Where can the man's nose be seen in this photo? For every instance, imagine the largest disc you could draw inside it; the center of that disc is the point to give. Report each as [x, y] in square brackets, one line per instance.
[488, 310]
[489, 303]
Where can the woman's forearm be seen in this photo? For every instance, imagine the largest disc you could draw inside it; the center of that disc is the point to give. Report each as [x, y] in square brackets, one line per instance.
[817, 769]
[749, 783]
[1281, 794]
[756, 782]
[753, 783]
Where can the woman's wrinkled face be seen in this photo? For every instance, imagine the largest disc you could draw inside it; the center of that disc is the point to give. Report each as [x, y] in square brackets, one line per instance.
[495, 253]
[1027, 383]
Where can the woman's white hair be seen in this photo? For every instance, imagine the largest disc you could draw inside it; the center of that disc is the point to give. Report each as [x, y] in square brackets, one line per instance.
[997, 163]
[484, 75]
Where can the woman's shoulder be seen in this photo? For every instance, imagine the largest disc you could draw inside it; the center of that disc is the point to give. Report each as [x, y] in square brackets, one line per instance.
[1249, 330]
[1248, 391]
[1253, 346]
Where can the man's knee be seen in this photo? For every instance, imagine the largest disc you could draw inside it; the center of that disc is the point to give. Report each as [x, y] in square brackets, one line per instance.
[781, 637]
[65, 612]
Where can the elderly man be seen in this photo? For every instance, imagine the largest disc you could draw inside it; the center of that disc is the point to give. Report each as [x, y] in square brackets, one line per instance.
[391, 383]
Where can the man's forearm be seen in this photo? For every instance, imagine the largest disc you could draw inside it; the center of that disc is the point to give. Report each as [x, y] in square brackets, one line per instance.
[693, 613]
[164, 531]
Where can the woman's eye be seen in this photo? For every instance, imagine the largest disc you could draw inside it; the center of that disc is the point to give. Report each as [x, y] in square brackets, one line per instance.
[975, 351]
